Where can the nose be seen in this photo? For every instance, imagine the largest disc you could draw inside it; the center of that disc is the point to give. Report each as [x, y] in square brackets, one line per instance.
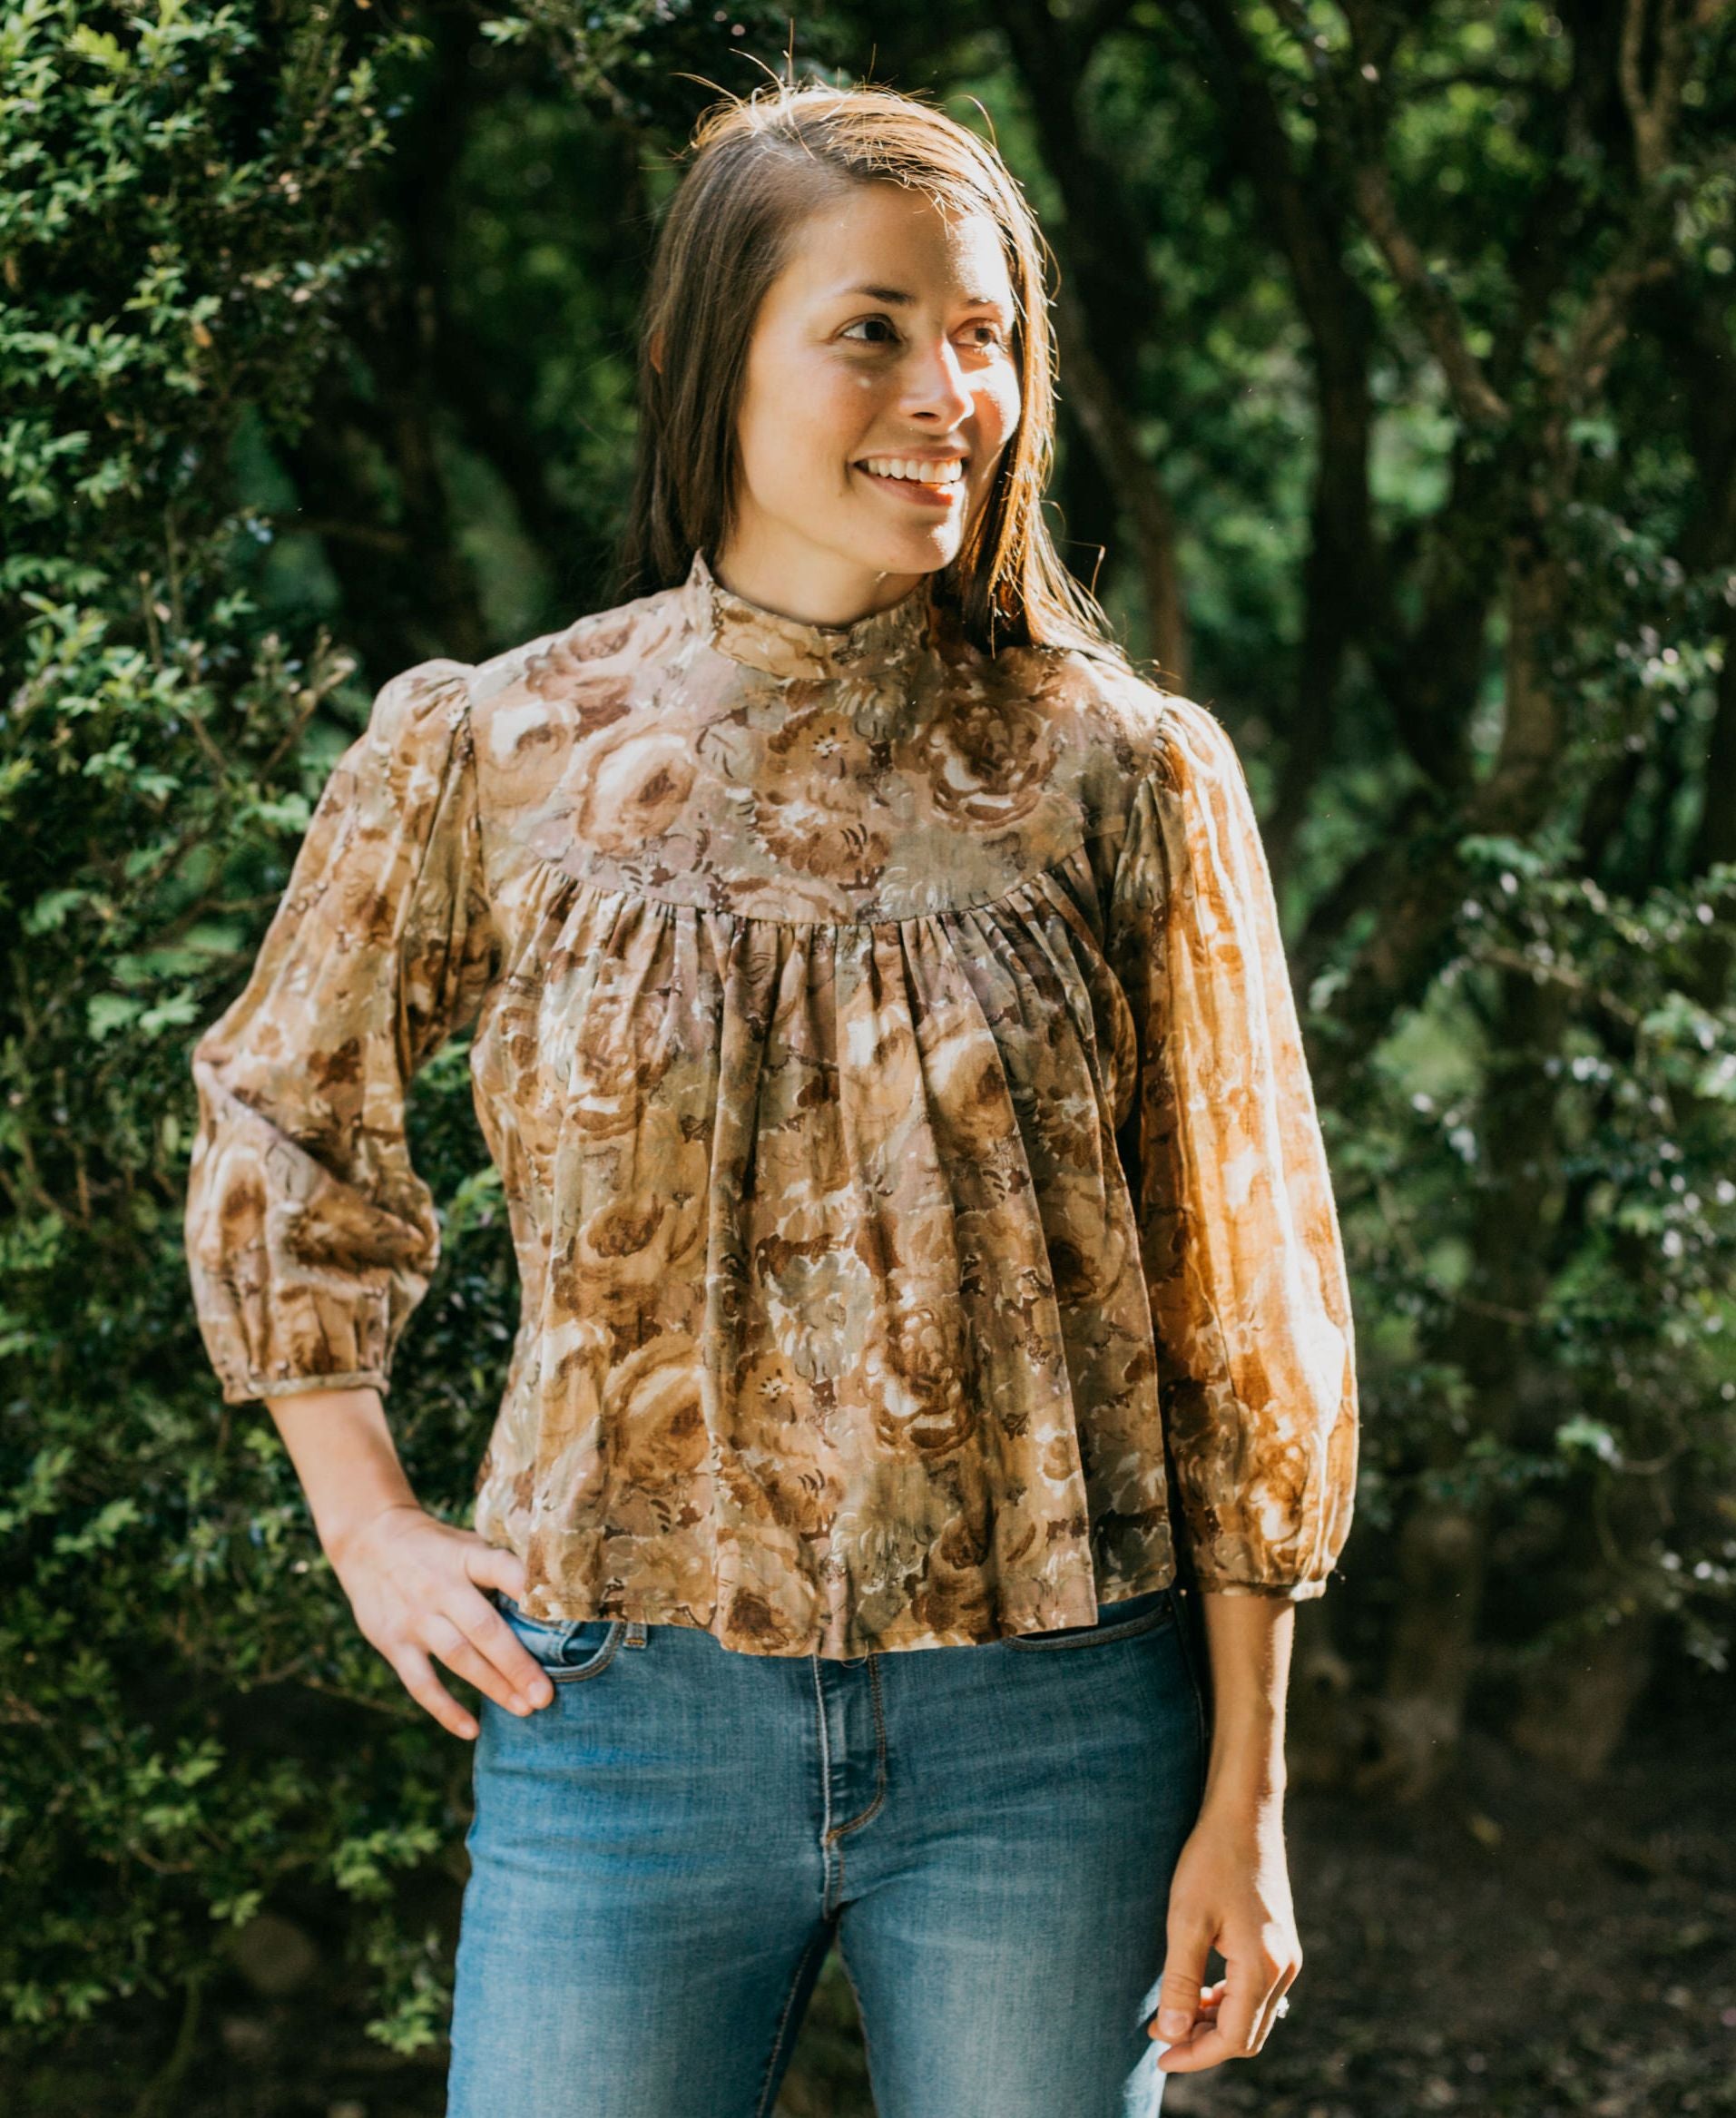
[936, 386]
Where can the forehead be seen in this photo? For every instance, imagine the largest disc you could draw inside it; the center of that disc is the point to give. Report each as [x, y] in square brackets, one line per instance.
[881, 243]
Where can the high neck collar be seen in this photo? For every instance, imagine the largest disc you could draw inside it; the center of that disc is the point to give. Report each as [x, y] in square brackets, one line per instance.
[791, 647]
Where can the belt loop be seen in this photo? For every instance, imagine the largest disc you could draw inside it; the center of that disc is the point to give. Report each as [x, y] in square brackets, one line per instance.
[635, 1632]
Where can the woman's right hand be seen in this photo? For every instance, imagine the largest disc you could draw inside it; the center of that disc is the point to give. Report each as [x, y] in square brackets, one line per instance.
[416, 1586]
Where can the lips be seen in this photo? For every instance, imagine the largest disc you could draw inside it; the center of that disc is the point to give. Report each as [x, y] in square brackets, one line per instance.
[893, 456]
[919, 492]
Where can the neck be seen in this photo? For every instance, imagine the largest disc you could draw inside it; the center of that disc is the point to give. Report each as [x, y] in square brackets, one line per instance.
[782, 646]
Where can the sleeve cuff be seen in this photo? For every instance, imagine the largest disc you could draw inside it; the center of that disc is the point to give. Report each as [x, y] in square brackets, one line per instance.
[1288, 1592]
[254, 1389]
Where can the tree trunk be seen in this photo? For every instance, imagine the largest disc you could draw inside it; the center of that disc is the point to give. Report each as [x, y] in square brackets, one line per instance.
[1443, 1547]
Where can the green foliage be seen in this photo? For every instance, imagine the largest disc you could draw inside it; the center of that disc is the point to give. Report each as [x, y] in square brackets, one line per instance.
[181, 230]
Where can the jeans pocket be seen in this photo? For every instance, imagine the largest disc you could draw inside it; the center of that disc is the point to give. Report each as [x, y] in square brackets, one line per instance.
[1119, 1620]
[567, 1649]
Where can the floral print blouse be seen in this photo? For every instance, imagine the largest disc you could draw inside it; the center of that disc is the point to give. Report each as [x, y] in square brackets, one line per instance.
[888, 1057]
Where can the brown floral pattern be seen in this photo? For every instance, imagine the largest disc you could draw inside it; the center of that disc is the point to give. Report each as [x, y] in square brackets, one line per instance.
[888, 1057]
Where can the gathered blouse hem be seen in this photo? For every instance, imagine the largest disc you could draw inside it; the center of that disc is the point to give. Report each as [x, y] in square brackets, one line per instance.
[898, 1638]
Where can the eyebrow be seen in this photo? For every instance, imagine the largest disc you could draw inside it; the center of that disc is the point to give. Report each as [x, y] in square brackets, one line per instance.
[900, 298]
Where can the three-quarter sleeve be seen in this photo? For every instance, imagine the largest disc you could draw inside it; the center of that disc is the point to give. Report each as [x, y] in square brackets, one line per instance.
[309, 1238]
[1238, 1227]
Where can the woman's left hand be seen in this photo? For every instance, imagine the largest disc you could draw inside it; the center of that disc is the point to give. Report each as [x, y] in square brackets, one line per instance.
[1230, 1891]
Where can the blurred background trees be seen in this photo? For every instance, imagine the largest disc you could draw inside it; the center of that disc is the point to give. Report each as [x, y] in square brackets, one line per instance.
[1399, 425]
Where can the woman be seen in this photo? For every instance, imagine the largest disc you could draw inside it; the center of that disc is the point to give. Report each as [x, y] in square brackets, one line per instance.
[881, 1030]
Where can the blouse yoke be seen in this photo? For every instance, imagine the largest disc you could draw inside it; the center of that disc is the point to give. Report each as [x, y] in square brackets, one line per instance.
[922, 1219]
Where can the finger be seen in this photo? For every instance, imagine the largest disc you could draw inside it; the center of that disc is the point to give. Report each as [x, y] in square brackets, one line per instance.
[1179, 1990]
[1268, 2014]
[1206, 2048]
[1206, 2045]
[1206, 2013]
[416, 1673]
[508, 1653]
[466, 1660]
[494, 1567]
[1244, 1998]
[1253, 1984]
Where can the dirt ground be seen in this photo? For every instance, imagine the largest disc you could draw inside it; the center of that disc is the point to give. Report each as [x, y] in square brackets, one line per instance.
[1514, 1948]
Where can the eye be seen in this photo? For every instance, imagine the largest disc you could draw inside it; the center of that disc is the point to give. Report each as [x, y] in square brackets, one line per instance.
[996, 336]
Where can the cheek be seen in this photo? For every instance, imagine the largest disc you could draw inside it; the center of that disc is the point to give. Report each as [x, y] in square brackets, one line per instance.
[812, 432]
[785, 416]
[777, 457]
[997, 409]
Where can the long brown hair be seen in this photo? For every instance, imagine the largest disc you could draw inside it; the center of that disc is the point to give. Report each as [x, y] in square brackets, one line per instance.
[761, 164]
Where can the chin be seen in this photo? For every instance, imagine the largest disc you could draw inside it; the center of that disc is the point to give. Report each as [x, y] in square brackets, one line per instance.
[916, 554]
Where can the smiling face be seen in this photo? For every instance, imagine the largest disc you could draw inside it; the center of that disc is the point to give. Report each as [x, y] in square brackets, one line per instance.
[884, 346]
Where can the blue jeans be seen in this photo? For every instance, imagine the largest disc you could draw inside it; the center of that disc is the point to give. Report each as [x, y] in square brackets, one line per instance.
[661, 1857]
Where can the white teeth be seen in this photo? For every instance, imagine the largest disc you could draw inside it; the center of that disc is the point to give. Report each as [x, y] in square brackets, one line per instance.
[949, 473]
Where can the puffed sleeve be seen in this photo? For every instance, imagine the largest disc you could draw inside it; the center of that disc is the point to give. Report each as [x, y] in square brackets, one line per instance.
[1238, 1227]
[309, 1238]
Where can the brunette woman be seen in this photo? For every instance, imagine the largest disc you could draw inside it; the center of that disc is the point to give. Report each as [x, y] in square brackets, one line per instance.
[934, 1389]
